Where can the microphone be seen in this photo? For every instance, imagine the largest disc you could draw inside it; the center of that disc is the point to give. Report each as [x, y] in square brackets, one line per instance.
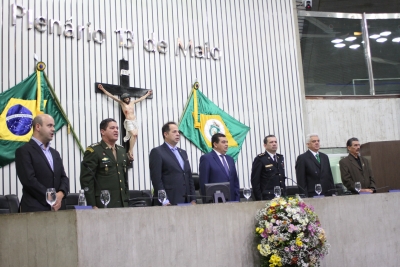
[297, 185]
[93, 174]
[139, 198]
[383, 187]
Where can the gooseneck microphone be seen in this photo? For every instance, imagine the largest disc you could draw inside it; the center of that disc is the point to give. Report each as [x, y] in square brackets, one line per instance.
[297, 185]
[93, 175]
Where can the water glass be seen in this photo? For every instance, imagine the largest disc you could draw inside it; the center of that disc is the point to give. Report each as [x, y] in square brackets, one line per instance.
[357, 186]
[246, 193]
[51, 196]
[318, 189]
[162, 196]
[105, 197]
[277, 191]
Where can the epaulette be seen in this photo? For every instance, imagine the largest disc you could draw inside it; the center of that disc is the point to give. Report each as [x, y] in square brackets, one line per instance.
[95, 144]
[119, 146]
[262, 154]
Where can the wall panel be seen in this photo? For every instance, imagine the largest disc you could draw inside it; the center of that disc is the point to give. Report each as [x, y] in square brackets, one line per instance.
[256, 80]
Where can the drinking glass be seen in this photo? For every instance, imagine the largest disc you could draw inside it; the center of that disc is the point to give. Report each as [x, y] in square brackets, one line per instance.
[318, 189]
[246, 193]
[357, 186]
[105, 197]
[277, 191]
[162, 196]
[51, 196]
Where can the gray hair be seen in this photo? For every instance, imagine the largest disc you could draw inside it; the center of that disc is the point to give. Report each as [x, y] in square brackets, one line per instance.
[308, 137]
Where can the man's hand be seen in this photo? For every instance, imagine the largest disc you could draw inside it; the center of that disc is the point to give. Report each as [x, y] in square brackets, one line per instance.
[149, 92]
[366, 190]
[59, 197]
[193, 202]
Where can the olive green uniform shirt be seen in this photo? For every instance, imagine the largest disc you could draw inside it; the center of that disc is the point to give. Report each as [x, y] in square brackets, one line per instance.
[110, 174]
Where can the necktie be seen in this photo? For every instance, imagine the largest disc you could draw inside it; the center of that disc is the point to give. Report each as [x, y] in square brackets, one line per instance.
[274, 158]
[224, 163]
[178, 156]
[318, 159]
[114, 152]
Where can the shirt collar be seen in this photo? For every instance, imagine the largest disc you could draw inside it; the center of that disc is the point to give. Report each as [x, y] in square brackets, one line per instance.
[271, 155]
[219, 154]
[40, 144]
[314, 153]
[171, 147]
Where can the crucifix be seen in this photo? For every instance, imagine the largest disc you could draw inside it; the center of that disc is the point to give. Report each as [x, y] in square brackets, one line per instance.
[126, 92]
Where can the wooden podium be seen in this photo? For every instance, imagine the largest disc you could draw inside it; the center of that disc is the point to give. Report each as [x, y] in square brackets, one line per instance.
[384, 158]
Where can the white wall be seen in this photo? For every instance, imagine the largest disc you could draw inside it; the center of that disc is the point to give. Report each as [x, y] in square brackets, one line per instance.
[338, 120]
[256, 80]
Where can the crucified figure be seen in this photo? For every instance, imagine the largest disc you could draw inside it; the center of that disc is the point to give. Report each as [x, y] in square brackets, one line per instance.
[130, 122]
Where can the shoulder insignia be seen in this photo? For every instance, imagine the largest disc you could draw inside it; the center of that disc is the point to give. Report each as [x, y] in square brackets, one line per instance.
[95, 144]
[262, 154]
[89, 149]
[119, 146]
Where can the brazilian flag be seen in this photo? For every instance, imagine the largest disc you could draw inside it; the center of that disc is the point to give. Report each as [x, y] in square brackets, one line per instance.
[18, 106]
[202, 119]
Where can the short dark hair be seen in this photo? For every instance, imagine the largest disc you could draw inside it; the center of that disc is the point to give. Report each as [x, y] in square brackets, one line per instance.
[266, 138]
[350, 141]
[166, 128]
[104, 123]
[215, 138]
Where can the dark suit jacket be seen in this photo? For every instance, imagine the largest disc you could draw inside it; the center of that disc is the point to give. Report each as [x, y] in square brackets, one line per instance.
[212, 171]
[166, 173]
[309, 172]
[351, 172]
[266, 174]
[35, 174]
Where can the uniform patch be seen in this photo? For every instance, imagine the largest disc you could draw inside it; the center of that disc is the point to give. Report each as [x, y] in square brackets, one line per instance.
[269, 165]
[89, 149]
[262, 154]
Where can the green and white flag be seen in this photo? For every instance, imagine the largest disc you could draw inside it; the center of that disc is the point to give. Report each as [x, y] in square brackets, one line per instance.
[202, 119]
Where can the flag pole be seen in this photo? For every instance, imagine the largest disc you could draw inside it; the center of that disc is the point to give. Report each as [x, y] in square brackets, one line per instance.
[195, 86]
[53, 94]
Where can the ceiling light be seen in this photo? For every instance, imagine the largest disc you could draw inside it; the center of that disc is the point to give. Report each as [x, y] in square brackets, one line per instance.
[336, 41]
[351, 38]
[339, 45]
[374, 36]
[396, 40]
[386, 33]
[354, 46]
[381, 40]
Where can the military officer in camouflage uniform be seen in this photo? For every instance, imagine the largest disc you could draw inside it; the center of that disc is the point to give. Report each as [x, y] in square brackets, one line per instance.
[268, 171]
[108, 162]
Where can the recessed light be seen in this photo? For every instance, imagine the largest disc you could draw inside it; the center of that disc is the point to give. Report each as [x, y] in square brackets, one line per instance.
[374, 36]
[339, 45]
[351, 38]
[386, 33]
[396, 40]
[336, 41]
[354, 46]
[381, 40]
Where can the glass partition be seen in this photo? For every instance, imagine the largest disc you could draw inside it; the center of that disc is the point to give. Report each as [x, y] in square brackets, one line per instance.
[336, 58]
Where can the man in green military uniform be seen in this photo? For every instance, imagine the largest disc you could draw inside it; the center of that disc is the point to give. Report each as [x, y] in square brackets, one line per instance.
[108, 162]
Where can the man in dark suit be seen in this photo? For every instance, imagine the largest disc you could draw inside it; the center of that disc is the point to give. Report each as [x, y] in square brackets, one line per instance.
[355, 168]
[217, 167]
[170, 169]
[40, 167]
[108, 161]
[313, 168]
[268, 171]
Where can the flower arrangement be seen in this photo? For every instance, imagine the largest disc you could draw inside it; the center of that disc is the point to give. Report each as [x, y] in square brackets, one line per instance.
[290, 234]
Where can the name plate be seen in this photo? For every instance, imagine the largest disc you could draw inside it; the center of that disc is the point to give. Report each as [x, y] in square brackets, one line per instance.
[320, 196]
[83, 207]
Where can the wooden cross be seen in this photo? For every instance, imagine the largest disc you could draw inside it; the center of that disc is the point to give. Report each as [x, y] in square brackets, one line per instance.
[124, 84]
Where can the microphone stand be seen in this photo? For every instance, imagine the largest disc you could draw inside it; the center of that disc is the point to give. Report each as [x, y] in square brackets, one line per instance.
[304, 195]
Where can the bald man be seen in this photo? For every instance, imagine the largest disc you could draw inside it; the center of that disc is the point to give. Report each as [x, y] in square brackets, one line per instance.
[40, 167]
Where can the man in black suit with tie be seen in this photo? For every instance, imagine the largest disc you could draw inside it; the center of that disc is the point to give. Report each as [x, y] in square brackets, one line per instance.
[313, 168]
[268, 171]
[40, 167]
[170, 169]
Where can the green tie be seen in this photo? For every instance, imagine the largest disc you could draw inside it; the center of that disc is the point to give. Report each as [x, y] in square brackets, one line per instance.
[317, 156]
